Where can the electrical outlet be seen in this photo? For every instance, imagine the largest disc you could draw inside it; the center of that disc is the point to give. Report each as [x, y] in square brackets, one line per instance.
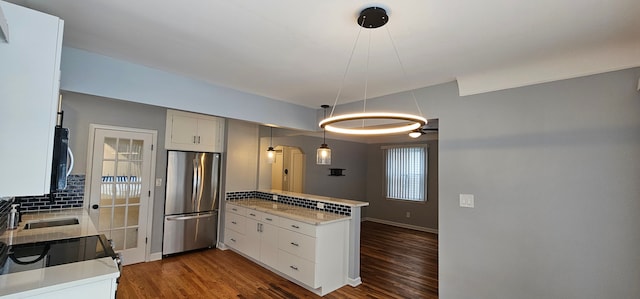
[466, 200]
[320, 205]
[275, 197]
[408, 215]
[158, 182]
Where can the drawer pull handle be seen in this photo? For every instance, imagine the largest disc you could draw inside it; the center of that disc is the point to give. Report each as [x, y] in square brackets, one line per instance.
[295, 244]
[252, 214]
[234, 222]
[295, 226]
[268, 219]
[234, 209]
[233, 240]
[294, 268]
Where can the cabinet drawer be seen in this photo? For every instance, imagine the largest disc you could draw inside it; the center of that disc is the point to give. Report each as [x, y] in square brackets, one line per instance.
[271, 219]
[234, 222]
[297, 268]
[253, 214]
[297, 244]
[236, 209]
[297, 226]
[233, 239]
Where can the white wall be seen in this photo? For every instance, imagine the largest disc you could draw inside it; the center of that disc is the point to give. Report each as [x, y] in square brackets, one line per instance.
[90, 73]
[242, 156]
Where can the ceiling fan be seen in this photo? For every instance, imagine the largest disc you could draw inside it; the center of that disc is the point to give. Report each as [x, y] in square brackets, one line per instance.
[430, 127]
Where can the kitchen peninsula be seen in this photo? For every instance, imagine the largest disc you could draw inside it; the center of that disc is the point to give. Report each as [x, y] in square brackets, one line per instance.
[308, 239]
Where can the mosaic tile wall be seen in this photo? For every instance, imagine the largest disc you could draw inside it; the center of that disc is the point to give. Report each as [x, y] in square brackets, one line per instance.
[70, 198]
[296, 201]
[5, 207]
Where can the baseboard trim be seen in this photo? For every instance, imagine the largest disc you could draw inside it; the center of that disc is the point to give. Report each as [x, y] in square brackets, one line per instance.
[156, 256]
[403, 225]
[222, 246]
[354, 282]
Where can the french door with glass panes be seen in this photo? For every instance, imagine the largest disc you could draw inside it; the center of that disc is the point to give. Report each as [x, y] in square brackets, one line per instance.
[121, 189]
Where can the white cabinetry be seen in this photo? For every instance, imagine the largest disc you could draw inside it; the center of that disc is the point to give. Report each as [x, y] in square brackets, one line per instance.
[194, 132]
[29, 85]
[312, 255]
[234, 227]
[253, 233]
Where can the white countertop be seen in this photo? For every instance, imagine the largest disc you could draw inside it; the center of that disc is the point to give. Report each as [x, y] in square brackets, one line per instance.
[314, 217]
[335, 200]
[21, 235]
[50, 279]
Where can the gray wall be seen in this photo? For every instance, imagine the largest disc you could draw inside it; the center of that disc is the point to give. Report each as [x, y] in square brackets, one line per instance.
[344, 154]
[555, 173]
[80, 110]
[422, 214]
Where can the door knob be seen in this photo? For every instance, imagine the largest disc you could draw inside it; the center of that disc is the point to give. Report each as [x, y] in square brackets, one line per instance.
[95, 207]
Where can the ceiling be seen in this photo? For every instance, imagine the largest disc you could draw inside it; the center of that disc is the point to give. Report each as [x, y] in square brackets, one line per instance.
[297, 51]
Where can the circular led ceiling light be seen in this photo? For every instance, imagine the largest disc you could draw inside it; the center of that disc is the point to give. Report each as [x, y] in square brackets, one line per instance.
[415, 122]
[372, 17]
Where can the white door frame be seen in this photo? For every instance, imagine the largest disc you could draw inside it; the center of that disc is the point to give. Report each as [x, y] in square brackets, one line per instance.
[87, 187]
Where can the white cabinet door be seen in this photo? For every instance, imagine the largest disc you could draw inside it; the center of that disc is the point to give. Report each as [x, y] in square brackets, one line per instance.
[194, 132]
[269, 241]
[234, 239]
[184, 131]
[209, 134]
[297, 268]
[252, 237]
[29, 85]
[297, 244]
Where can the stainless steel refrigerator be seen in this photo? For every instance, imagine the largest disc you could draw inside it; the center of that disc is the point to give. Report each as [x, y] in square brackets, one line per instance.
[191, 205]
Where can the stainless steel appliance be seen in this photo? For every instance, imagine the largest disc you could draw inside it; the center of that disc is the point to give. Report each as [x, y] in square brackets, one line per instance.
[191, 205]
[37, 255]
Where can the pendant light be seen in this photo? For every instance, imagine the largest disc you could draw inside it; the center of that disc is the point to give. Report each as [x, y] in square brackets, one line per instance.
[372, 17]
[271, 153]
[323, 154]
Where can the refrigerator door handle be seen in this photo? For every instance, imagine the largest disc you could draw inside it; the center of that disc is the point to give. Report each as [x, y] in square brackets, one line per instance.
[194, 182]
[178, 218]
[200, 187]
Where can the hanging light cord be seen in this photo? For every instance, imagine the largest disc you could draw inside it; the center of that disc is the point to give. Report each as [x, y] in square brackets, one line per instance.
[404, 72]
[366, 78]
[346, 70]
[324, 132]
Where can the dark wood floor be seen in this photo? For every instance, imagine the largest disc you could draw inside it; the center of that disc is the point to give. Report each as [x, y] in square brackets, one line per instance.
[395, 263]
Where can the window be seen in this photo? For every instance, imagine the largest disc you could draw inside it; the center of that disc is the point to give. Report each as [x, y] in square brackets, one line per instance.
[406, 172]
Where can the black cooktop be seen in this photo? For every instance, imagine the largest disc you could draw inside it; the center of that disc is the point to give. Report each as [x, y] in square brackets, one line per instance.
[30, 256]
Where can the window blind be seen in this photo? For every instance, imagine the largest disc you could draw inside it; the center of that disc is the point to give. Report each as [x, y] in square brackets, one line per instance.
[406, 172]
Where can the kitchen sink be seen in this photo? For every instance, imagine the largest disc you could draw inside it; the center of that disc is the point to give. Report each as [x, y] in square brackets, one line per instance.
[51, 223]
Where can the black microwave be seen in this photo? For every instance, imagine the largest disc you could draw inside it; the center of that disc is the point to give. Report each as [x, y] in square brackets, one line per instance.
[60, 165]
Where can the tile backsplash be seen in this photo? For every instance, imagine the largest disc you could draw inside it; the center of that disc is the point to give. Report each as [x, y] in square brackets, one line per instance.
[291, 200]
[5, 207]
[69, 198]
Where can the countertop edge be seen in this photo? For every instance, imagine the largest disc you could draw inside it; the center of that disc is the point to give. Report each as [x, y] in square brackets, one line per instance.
[291, 215]
[326, 199]
[57, 277]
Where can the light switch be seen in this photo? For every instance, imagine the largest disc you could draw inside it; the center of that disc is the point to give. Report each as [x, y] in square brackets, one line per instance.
[158, 182]
[320, 205]
[466, 200]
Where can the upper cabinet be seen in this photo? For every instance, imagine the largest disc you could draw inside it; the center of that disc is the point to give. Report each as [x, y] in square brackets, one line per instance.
[194, 132]
[29, 88]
